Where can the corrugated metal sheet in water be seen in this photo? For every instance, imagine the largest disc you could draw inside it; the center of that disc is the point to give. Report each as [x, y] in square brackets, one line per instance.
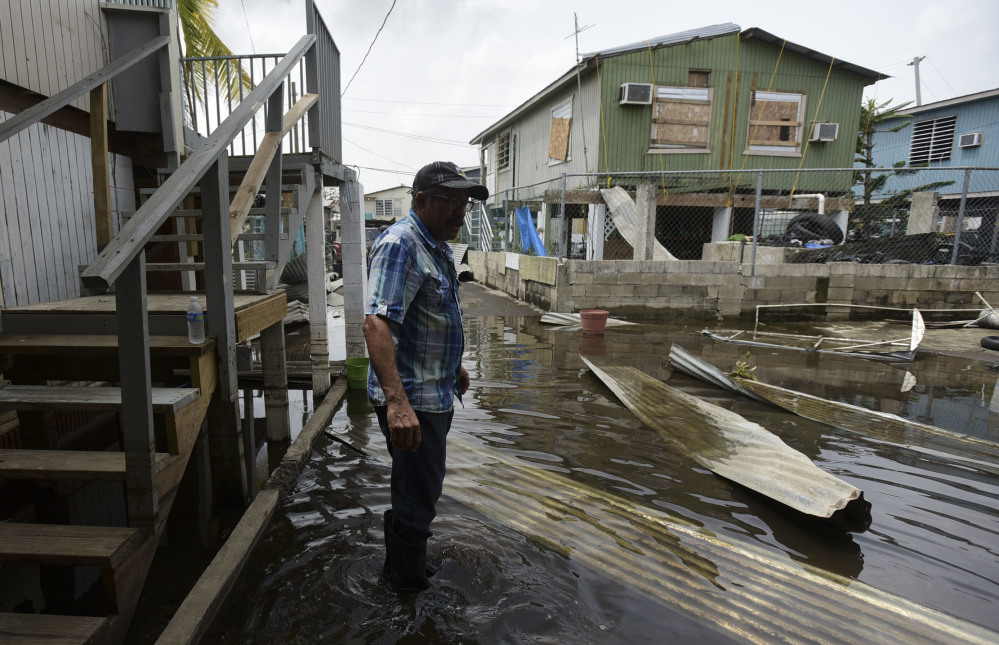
[736, 448]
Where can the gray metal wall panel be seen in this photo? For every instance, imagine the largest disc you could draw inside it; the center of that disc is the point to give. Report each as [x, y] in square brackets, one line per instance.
[47, 46]
[533, 130]
[47, 212]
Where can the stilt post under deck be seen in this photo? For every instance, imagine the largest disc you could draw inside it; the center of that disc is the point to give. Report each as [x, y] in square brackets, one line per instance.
[355, 267]
[315, 244]
[275, 371]
[228, 467]
[136, 393]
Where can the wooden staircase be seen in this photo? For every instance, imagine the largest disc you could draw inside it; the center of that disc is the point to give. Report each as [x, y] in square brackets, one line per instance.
[110, 397]
[84, 467]
[181, 241]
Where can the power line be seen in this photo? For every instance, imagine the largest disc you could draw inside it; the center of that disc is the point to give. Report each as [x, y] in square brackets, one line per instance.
[369, 48]
[376, 154]
[394, 172]
[942, 76]
[432, 103]
[404, 134]
[247, 21]
[449, 116]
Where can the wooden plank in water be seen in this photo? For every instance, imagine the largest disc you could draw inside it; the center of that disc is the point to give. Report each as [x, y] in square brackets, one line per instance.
[67, 464]
[52, 629]
[34, 397]
[60, 544]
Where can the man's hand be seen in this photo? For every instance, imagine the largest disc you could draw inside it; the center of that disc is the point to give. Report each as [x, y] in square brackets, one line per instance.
[404, 426]
[463, 381]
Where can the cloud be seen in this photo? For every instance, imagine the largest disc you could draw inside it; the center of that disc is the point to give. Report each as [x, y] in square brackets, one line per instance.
[477, 59]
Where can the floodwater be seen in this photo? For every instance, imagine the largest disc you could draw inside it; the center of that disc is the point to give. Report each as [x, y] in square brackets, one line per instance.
[566, 520]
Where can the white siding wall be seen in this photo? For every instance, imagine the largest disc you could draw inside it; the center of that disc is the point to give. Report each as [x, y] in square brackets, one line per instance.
[47, 45]
[533, 131]
[47, 212]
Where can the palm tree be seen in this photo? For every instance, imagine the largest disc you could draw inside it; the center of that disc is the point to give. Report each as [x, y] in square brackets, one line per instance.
[200, 40]
[867, 216]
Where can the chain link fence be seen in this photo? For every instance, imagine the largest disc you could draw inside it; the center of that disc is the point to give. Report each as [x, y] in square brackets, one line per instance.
[876, 215]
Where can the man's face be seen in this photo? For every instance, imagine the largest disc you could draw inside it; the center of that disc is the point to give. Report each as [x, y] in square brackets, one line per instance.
[443, 211]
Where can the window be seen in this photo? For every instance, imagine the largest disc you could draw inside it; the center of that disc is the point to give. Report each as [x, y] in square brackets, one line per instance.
[503, 151]
[932, 140]
[681, 119]
[698, 78]
[558, 141]
[388, 209]
[775, 123]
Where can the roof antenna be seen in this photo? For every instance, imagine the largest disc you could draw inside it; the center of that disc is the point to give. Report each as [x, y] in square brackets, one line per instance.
[579, 87]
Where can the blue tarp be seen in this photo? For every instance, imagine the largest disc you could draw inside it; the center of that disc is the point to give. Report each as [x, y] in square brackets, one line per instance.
[528, 234]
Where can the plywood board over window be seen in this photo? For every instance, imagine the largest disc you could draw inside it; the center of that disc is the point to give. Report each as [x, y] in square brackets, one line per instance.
[558, 142]
[775, 122]
[681, 119]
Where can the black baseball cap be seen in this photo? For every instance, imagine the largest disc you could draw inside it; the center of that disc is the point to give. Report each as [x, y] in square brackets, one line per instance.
[447, 174]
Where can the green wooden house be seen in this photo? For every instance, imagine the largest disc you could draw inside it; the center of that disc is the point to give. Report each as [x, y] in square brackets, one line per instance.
[717, 99]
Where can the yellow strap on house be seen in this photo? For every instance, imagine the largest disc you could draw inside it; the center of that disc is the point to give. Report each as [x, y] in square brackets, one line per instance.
[752, 136]
[603, 130]
[735, 109]
[815, 116]
[652, 71]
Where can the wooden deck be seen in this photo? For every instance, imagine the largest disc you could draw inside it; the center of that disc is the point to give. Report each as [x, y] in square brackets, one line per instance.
[253, 312]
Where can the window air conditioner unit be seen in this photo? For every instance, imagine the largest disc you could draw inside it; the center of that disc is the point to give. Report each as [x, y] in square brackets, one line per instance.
[636, 94]
[824, 132]
[970, 140]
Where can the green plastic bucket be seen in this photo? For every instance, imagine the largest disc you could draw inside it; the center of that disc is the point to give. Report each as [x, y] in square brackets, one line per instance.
[357, 373]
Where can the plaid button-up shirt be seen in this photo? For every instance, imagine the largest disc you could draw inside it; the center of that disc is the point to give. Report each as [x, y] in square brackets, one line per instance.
[412, 281]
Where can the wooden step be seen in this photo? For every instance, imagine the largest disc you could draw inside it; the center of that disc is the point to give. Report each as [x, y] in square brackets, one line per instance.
[63, 545]
[197, 237]
[200, 266]
[68, 464]
[260, 212]
[96, 345]
[52, 629]
[72, 397]
[233, 188]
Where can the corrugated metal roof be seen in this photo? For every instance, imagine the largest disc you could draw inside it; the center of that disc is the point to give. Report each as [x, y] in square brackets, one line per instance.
[957, 100]
[701, 33]
[766, 36]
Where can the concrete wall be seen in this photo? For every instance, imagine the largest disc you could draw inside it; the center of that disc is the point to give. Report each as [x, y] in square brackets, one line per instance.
[726, 290]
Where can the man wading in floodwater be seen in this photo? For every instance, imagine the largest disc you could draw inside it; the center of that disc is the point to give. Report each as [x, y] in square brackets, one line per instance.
[412, 325]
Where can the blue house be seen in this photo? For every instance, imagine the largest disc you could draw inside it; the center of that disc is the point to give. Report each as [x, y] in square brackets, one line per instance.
[941, 139]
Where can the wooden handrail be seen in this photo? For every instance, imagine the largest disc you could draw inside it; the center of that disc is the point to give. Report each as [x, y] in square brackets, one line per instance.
[36, 113]
[254, 178]
[134, 235]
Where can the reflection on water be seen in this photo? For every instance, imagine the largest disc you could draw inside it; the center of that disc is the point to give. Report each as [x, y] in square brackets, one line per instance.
[566, 519]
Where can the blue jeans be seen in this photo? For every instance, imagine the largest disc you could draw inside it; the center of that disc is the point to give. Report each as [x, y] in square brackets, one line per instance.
[417, 476]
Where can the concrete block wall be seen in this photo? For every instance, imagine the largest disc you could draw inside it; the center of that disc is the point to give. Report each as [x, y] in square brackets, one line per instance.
[725, 290]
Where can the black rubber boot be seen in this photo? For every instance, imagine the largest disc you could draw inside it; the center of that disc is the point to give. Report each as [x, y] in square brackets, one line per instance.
[405, 563]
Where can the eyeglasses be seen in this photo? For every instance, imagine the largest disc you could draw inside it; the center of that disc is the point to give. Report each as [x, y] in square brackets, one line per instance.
[453, 202]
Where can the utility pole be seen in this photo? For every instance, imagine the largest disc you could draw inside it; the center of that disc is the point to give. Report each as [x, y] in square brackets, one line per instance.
[915, 65]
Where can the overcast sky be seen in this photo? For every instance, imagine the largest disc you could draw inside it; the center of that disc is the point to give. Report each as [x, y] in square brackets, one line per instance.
[441, 71]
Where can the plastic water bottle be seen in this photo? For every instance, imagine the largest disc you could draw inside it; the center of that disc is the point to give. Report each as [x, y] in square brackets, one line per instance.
[195, 322]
